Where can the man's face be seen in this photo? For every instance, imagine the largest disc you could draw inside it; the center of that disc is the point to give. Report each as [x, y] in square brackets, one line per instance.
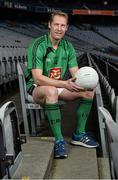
[58, 27]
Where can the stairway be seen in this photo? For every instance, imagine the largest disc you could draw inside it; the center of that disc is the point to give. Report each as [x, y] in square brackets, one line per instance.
[37, 155]
[38, 162]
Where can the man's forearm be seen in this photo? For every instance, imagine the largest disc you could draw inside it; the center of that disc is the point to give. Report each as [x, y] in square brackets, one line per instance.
[46, 81]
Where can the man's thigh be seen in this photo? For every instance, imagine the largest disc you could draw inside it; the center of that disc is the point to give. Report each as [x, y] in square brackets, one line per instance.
[68, 95]
[63, 94]
[39, 93]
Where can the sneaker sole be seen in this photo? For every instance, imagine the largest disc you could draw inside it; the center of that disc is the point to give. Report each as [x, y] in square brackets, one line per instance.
[82, 144]
[61, 157]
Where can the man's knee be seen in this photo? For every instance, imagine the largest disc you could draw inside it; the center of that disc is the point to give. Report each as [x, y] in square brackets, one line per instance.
[45, 94]
[88, 94]
[51, 92]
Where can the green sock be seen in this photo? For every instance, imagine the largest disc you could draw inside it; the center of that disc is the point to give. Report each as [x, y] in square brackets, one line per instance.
[82, 114]
[54, 116]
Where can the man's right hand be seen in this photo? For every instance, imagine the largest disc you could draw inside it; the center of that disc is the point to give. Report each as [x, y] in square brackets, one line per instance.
[72, 86]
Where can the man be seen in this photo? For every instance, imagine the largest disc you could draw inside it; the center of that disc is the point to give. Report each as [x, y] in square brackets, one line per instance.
[48, 58]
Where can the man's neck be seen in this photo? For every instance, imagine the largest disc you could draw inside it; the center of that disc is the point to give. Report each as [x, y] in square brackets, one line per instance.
[55, 46]
[55, 43]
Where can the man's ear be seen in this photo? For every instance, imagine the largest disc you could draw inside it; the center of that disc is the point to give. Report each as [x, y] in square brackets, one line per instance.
[67, 27]
[49, 25]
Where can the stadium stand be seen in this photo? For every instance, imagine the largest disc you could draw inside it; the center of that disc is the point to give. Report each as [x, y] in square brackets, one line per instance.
[10, 141]
[110, 120]
[110, 32]
[91, 37]
[14, 41]
[111, 97]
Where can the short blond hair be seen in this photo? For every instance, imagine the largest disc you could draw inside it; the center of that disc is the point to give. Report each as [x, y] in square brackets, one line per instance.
[59, 13]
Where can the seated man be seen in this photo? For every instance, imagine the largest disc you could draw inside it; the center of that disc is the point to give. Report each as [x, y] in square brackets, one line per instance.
[48, 58]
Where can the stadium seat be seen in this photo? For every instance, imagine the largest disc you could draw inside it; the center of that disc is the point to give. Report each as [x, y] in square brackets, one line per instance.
[112, 100]
[7, 59]
[112, 141]
[28, 105]
[115, 109]
[111, 125]
[114, 154]
[3, 170]
[1, 78]
[99, 102]
[10, 139]
[3, 69]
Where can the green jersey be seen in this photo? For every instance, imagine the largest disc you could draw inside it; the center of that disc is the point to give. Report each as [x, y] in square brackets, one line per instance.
[54, 63]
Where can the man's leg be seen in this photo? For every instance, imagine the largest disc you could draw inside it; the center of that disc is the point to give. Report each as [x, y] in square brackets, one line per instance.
[83, 112]
[54, 117]
[80, 137]
[48, 96]
[83, 109]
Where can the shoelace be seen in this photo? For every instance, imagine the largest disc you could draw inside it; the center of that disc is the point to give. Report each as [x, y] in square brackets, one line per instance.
[59, 145]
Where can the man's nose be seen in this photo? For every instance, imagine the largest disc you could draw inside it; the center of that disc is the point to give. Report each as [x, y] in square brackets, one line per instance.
[59, 27]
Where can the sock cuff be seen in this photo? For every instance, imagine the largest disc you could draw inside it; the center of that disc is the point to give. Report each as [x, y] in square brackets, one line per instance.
[84, 100]
[54, 106]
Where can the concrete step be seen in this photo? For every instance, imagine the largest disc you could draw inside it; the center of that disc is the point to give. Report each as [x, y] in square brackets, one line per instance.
[80, 164]
[38, 162]
[104, 168]
[37, 156]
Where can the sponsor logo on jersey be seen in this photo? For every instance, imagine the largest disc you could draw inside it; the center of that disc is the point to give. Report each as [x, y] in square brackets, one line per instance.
[55, 73]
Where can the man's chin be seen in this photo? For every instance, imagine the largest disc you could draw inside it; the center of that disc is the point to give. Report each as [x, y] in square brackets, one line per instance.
[58, 38]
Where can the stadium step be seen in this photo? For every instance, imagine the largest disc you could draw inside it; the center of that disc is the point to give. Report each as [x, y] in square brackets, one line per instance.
[37, 155]
[80, 164]
[38, 162]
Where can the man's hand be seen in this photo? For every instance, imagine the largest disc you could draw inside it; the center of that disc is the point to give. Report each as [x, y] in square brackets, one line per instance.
[72, 86]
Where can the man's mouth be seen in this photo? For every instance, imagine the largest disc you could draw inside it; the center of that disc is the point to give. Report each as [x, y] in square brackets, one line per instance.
[58, 33]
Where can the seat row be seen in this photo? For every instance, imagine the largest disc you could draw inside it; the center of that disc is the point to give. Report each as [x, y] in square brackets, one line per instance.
[108, 122]
[8, 63]
[111, 97]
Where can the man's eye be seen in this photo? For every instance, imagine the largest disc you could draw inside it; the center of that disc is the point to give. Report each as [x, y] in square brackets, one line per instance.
[63, 25]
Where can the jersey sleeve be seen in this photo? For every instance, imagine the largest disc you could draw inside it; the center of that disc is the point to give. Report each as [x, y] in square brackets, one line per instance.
[72, 57]
[35, 54]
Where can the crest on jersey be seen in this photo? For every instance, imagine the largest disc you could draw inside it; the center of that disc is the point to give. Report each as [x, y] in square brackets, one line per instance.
[55, 73]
